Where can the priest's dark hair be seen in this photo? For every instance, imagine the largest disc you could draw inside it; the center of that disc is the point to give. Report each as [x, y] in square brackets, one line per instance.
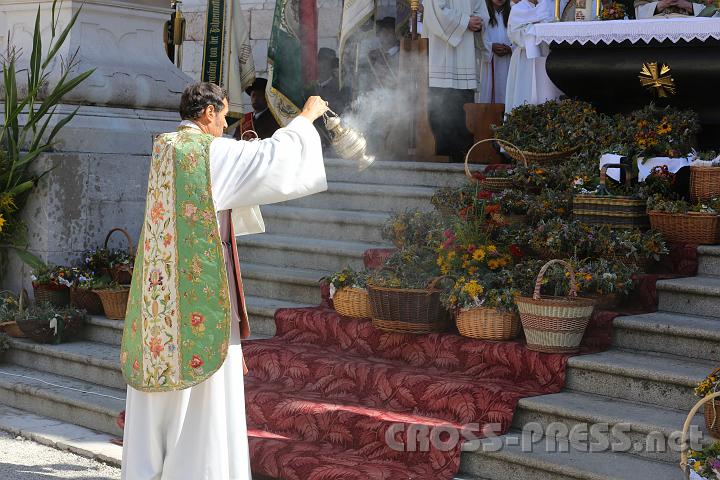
[198, 96]
[505, 10]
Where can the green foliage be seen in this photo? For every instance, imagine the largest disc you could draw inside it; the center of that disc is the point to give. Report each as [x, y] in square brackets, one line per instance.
[26, 132]
[348, 277]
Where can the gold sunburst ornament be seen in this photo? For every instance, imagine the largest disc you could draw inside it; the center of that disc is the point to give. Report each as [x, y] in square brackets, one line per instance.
[657, 79]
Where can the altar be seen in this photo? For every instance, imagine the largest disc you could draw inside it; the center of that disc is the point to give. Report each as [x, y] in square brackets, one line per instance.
[602, 62]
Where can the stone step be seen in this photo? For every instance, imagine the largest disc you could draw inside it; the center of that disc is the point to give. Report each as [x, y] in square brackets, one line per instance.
[522, 460]
[368, 197]
[67, 399]
[328, 224]
[262, 313]
[708, 259]
[673, 333]
[291, 251]
[691, 295]
[101, 329]
[654, 379]
[649, 431]
[387, 172]
[89, 361]
[289, 284]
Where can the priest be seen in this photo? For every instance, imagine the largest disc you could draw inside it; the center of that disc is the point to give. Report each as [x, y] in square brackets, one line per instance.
[181, 354]
[527, 80]
[667, 8]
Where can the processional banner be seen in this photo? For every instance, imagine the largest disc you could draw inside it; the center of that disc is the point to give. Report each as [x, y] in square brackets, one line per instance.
[227, 58]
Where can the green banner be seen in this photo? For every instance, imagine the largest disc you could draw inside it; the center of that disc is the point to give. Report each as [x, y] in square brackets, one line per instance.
[214, 38]
[285, 86]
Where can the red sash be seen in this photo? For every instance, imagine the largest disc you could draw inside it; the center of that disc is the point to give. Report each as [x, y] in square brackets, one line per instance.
[247, 123]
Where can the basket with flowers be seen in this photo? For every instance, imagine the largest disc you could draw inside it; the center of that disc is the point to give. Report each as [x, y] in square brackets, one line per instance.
[349, 293]
[612, 11]
[51, 283]
[81, 291]
[711, 385]
[683, 222]
[704, 464]
[607, 282]
[664, 132]
[411, 227]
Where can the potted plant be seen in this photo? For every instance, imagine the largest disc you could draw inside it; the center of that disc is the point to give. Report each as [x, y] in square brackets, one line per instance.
[349, 294]
[47, 323]
[51, 284]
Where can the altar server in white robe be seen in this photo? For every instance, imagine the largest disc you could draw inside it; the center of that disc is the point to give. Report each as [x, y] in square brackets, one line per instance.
[667, 9]
[200, 433]
[496, 54]
[454, 31]
[527, 80]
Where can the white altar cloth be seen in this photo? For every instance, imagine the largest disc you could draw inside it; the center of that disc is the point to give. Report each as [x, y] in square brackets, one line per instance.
[611, 31]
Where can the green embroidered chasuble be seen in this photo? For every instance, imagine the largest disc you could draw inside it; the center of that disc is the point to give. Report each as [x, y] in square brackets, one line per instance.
[177, 326]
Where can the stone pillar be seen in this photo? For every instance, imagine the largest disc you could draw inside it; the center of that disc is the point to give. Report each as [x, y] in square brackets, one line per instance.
[102, 156]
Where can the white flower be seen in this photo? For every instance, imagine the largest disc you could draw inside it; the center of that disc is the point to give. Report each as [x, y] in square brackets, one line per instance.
[33, 277]
[63, 281]
[332, 290]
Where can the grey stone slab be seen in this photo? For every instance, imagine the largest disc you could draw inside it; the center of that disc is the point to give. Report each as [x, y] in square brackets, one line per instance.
[262, 313]
[708, 260]
[427, 174]
[691, 295]
[368, 197]
[289, 284]
[545, 461]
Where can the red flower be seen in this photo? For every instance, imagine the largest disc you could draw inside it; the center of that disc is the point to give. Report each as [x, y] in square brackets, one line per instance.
[478, 176]
[156, 346]
[196, 362]
[484, 195]
[515, 251]
[197, 319]
[136, 365]
[492, 209]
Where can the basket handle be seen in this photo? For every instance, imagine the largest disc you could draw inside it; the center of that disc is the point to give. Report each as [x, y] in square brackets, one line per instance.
[127, 235]
[434, 282]
[603, 174]
[568, 267]
[505, 142]
[686, 427]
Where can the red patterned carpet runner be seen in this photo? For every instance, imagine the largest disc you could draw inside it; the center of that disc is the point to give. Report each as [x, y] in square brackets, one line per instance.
[325, 395]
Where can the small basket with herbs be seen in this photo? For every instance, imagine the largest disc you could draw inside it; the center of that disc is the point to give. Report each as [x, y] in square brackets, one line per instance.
[114, 299]
[349, 293]
[82, 294]
[554, 324]
[616, 211]
[494, 178]
[709, 386]
[552, 130]
[701, 464]
[405, 294]
[10, 305]
[46, 323]
[705, 178]
[683, 222]
[51, 284]
[120, 262]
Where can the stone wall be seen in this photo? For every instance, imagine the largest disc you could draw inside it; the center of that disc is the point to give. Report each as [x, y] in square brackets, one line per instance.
[258, 16]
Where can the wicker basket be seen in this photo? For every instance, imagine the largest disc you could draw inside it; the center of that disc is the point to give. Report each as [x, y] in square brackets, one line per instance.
[712, 418]
[57, 295]
[40, 330]
[684, 443]
[86, 299]
[114, 302]
[490, 184]
[693, 228]
[704, 183]
[487, 323]
[554, 324]
[11, 329]
[615, 211]
[352, 302]
[408, 310]
[121, 274]
[535, 157]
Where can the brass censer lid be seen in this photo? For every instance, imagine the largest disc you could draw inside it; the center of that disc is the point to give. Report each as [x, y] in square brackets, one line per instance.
[347, 142]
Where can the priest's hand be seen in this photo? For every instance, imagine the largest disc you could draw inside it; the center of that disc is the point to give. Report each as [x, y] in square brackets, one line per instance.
[475, 24]
[501, 50]
[314, 108]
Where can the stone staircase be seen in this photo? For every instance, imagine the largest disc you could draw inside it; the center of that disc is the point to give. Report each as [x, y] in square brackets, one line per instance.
[310, 237]
[645, 381]
[642, 386]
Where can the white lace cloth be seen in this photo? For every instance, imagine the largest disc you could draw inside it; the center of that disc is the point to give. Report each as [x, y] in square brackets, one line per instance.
[610, 31]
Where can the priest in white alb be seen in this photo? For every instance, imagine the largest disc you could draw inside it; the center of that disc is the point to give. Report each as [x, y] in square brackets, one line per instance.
[527, 81]
[181, 353]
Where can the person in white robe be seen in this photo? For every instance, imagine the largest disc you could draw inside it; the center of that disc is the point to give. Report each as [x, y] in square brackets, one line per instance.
[200, 433]
[454, 31]
[528, 81]
[667, 9]
[496, 54]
